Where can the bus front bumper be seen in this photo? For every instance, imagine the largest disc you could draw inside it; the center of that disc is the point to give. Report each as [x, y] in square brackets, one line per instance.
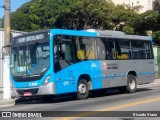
[49, 89]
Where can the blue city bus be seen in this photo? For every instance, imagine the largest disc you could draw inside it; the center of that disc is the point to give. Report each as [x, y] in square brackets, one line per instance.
[58, 61]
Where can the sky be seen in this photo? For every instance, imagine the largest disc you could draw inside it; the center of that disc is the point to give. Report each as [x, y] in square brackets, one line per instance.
[14, 5]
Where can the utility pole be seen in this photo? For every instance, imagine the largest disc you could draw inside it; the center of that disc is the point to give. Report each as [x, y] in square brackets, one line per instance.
[7, 24]
[6, 61]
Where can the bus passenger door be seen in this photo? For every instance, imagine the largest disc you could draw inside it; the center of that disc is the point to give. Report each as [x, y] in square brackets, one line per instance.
[63, 64]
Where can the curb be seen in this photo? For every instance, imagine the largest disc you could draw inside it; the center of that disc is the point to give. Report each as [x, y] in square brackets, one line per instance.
[156, 82]
[7, 103]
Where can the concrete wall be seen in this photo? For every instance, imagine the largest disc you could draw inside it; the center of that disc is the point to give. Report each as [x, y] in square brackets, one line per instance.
[14, 33]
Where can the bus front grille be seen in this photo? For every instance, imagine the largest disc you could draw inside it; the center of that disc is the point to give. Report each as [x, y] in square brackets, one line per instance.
[33, 91]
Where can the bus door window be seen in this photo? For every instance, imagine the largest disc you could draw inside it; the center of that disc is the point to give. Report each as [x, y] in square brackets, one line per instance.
[63, 52]
[66, 52]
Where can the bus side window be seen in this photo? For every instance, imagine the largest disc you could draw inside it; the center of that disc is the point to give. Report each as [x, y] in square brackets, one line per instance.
[122, 49]
[101, 49]
[105, 49]
[148, 50]
[81, 52]
[109, 47]
[138, 50]
[86, 48]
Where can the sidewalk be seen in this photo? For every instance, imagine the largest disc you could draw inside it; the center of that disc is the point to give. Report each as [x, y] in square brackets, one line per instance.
[11, 102]
[155, 83]
[6, 103]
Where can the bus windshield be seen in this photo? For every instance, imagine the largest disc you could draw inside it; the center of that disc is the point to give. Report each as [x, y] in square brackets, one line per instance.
[30, 60]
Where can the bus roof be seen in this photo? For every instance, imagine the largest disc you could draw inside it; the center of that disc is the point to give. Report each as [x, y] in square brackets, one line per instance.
[98, 33]
[118, 34]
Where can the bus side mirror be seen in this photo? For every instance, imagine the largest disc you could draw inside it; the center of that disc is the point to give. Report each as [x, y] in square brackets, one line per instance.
[3, 52]
[2, 55]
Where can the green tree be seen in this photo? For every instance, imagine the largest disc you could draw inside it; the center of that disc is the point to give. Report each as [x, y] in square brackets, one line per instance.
[82, 14]
[156, 35]
[147, 21]
[124, 19]
[70, 14]
[87, 14]
[128, 30]
[19, 18]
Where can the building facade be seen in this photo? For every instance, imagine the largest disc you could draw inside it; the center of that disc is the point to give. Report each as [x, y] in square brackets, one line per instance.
[144, 4]
[14, 33]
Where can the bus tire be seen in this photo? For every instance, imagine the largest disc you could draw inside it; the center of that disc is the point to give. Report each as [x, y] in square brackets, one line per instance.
[82, 90]
[131, 83]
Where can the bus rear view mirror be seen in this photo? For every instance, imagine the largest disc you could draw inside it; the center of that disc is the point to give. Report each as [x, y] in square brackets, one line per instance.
[2, 55]
[3, 52]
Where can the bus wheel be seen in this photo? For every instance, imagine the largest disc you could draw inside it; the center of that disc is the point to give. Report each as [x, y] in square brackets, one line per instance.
[83, 90]
[131, 84]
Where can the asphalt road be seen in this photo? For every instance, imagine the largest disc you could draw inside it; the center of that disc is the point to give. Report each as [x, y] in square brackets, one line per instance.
[138, 106]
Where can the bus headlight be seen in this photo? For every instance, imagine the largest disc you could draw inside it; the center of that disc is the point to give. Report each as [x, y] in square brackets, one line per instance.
[46, 80]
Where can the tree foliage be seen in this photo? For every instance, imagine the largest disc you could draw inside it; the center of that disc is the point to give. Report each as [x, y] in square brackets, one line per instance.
[70, 14]
[86, 14]
[147, 21]
[82, 14]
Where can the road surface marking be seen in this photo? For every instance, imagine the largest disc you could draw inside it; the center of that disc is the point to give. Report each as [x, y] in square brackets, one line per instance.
[109, 109]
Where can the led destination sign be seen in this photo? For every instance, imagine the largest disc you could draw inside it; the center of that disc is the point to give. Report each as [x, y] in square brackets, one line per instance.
[31, 38]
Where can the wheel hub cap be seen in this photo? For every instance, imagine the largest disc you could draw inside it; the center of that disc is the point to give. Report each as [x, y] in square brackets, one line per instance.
[132, 84]
[82, 88]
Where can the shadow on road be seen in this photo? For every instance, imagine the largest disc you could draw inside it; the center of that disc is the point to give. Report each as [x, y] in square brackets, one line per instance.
[40, 99]
[127, 118]
[69, 97]
[143, 89]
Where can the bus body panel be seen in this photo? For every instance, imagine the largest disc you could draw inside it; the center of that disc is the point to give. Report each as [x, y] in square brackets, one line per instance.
[67, 79]
[114, 72]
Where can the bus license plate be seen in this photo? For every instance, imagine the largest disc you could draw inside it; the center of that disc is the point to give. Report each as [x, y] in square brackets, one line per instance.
[27, 94]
